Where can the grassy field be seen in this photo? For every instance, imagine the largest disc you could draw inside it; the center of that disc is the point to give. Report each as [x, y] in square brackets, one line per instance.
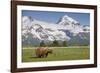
[60, 53]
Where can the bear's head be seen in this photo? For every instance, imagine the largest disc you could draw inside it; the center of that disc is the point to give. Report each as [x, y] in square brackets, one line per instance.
[50, 51]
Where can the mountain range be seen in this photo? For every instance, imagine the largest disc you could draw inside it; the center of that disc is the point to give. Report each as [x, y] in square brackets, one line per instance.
[66, 29]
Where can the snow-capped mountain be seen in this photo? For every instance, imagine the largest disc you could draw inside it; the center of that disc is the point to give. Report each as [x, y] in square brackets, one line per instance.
[42, 30]
[67, 29]
[70, 24]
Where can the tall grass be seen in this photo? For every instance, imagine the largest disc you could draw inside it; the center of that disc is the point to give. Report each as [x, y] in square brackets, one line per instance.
[59, 53]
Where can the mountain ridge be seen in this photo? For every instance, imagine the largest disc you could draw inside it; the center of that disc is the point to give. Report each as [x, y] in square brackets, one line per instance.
[66, 30]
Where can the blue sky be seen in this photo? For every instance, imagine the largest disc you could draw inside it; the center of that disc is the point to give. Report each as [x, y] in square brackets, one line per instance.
[53, 17]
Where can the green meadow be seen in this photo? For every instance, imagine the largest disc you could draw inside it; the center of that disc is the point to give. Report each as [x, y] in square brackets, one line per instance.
[59, 54]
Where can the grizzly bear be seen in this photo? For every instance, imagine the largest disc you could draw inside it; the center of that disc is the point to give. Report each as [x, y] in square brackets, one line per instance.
[42, 52]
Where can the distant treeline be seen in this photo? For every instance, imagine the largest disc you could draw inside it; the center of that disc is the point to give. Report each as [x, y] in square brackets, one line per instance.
[54, 43]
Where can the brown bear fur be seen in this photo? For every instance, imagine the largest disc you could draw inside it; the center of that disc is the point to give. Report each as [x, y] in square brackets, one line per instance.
[43, 52]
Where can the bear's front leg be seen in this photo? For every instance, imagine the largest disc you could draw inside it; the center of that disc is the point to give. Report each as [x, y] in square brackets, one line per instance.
[46, 54]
